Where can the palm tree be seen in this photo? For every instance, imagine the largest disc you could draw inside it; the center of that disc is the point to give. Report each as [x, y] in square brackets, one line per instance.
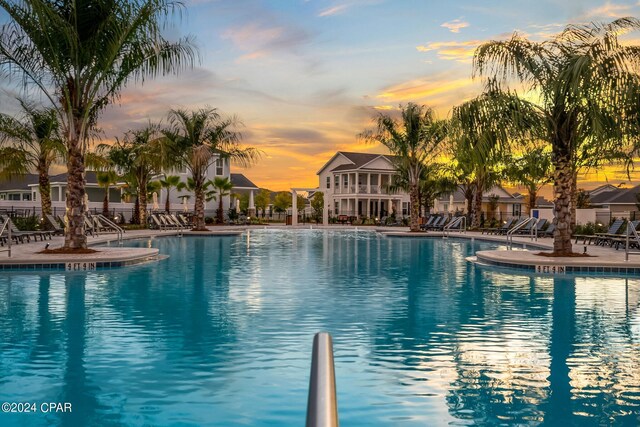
[435, 181]
[169, 182]
[532, 170]
[196, 140]
[31, 143]
[415, 140]
[139, 157]
[81, 54]
[481, 130]
[587, 87]
[222, 187]
[105, 180]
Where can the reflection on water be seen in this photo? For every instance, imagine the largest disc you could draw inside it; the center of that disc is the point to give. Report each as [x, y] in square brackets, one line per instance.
[220, 334]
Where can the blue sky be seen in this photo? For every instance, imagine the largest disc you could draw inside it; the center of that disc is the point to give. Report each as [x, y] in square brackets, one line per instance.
[306, 77]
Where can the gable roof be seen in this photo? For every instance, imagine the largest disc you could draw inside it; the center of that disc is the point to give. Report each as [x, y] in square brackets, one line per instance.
[241, 181]
[18, 182]
[623, 196]
[604, 194]
[458, 195]
[357, 160]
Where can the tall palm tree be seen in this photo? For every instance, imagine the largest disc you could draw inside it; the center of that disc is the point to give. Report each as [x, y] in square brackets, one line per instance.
[139, 157]
[587, 86]
[415, 140]
[169, 182]
[31, 143]
[435, 181]
[105, 180]
[195, 140]
[222, 187]
[81, 54]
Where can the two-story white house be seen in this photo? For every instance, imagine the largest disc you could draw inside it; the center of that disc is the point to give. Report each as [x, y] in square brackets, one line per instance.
[356, 185]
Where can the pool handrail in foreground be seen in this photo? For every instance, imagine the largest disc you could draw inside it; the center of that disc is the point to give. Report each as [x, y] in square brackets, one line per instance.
[7, 226]
[322, 406]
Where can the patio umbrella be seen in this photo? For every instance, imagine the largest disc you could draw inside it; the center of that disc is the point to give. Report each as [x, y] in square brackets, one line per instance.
[238, 205]
[86, 202]
[155, 201]
[451, 203]
[184, 205]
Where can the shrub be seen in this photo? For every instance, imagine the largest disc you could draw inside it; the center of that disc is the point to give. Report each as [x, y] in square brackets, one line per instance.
[27, 223]
[208, 220]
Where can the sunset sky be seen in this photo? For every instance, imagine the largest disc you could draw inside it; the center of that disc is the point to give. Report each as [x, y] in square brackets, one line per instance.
[306, 77]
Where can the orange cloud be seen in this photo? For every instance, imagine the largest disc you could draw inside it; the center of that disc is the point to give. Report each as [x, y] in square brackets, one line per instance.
[452, 51]
[611, 10]
[455, 26]
[428, 88]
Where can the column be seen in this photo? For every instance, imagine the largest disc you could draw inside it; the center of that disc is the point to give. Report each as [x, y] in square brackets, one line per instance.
[294, 208]
[357, 183]
[59, 193]
[252, 207]
[368, 185]
[325, 210]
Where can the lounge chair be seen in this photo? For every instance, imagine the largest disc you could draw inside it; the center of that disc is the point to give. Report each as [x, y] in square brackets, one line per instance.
[89, 227]
[499, 230]
[548, 232]
[601, 238]
[155, 222]
[185, 221]
[621, 240]
[17, 235]
[429, 222]
[54, 224]
[438, 223]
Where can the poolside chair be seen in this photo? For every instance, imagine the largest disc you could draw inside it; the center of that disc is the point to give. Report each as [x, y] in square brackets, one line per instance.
[185, 221]
[527, 229]
[155, 222]
[16, 234]
[176, 220]
[621, 239]
[89, 228]
[167, 221]
[438, 223]
[499, 230]
[548, 232]
[429, 222]
[601, 238]
[54, 224]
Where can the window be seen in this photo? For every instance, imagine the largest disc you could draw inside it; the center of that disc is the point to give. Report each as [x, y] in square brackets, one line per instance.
[405, 208]
[345, 181]
[337, 204]
[219, 167]
[336, 181]
[328, 182]
[517, 209]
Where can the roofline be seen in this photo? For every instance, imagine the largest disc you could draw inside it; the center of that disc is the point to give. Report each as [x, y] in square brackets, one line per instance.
[373, 160]
[331, 159]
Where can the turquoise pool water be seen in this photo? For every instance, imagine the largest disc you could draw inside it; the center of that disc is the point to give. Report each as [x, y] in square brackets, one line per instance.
[220, 334]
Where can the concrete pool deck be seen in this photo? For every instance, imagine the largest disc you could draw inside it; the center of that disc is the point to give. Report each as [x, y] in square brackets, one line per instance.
[601, 259]
[25, 256]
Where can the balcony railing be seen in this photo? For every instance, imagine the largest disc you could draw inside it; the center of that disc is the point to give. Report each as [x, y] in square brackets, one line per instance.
[361, 189]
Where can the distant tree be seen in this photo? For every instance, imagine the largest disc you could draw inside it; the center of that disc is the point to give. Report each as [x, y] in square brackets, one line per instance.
[244, 202]
[169, 182]
[533, 170]
[493, 205]
[317, 204]
[222, 187]
[583, 200]
[195, 140]
[416, 140]
[301, 202]
[31, 143]
[105, 180]
[282, 201]
[263, 200]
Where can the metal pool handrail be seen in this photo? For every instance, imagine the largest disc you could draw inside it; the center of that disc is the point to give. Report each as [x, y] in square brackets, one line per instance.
[454, 223]
[7, 225]
[322, 406]
[119, 230]
[519, 226]
[631, 228]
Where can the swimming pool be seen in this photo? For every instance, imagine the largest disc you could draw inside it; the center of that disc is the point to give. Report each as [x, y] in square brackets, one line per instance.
[220, 334]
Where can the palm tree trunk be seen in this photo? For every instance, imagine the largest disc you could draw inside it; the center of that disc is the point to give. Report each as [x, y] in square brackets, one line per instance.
[415, 208]
[44, 187]
[75, 237]
[142, 198]
[105, 202]
[220, 213]
[167, 203]
[136, 211]
[198, 222]
[562, 183]
[477, 204]
[468, 195]
[574, 199]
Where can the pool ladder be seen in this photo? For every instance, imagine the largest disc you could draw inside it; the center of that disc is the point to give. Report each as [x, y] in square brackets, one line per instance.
[322, 406]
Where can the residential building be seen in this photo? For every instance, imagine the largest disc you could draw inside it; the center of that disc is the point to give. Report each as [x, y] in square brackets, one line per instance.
[506, 204]
[356, 184]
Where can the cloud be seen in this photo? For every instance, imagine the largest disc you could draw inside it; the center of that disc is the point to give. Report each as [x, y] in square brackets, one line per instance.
[453, 50]
[455, 26]
[259, 39]
[333, 10]
[610, 10]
